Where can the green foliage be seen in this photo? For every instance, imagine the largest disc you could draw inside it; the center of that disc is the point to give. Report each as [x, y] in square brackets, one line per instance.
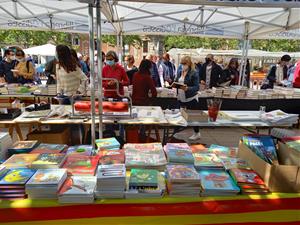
[134, 40]
[29, 38]
[198, 42]
[277, 45]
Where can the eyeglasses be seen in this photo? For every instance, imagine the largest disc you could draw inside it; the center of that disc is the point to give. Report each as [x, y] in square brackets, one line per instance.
[183, 63]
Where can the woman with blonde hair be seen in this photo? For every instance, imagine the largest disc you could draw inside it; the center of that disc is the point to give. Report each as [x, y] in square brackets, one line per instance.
[188, 88]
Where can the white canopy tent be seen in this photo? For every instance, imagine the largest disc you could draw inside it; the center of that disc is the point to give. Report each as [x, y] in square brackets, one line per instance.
[43, 50]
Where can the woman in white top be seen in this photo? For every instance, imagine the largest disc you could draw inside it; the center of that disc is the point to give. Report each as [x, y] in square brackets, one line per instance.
[70, 78]
[188, 91]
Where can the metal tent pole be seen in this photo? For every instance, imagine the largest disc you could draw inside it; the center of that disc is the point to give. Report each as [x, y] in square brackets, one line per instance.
[121, 48]
[92, 70]
[245, 62]
[99, 66]
[244, 53]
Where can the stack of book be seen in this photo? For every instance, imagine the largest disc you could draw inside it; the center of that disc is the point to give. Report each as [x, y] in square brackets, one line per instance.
[20, 161]
[5, 143]
[48, 160]
[226, 92]
[198, 148]
[81, 165]
[230, 163]
[80, 150]
[249, 181]
[263, 146]
[52, 89]
[3, 90]
[108, 143]
[45, 183]
[108, 157]
[296, 93]
[179, 153]
[49, 148]
[144, 183]
[279, 117]
[207, 161]
[218, 92]
[217, 182]
[292, 142]
[3, 171]
[183, 180]
[111, 181]
[148, 156]
[252, 94]
[12, 184]
[22, 147]
[78, 189]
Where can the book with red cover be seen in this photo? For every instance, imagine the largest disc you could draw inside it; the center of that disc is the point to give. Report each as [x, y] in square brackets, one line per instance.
[247, 178]
[199, 148]
[81, 165]
[108, 157]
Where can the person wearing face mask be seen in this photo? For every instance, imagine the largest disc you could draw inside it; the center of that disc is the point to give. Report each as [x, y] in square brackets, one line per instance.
[278, 72]
[230, 74]
[6, 67]
[170, 66]
[24, 70]
[188, 91]
[210, 73]
[130, 67]
[113, 69]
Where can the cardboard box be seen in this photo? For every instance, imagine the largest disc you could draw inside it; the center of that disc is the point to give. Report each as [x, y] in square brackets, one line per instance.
[278, 178]
[194, 115]
[57, 135]
[287, 155]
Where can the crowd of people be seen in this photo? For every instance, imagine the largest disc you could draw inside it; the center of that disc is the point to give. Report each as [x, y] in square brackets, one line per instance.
[70, 72]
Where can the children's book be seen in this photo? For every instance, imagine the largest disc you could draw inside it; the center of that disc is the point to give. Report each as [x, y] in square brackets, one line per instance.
[48, 177]
[78, 185]
[49, 148]
[48, 160]
[80, 150]
[230, 163]
[20, 160]
[107, 143]
[143, 178]
[182, 173]
[248, 177]
[111, 157]
[22, 147]
[208, 160]
[17, 176]
[111, 171]
[81, 165]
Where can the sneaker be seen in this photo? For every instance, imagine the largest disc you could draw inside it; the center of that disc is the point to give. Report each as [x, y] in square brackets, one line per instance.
[195, 136]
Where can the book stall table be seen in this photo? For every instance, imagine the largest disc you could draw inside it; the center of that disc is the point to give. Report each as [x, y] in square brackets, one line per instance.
[241, 210]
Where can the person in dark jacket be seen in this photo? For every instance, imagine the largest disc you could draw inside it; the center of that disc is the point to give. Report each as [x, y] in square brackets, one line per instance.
[7, 64]
[170, 66]
[130, 68]
[50, 71]
[231, 73]
[188, 91]
[278, 72]
[154, 71]
[210, 72]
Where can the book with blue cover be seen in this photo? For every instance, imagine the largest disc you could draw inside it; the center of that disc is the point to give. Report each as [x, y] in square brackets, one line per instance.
[108, 143]
[17, 177]
[80, 150]
[216, 182]
[22, 147]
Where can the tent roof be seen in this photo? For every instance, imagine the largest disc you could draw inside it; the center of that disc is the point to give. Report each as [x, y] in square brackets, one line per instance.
[44, 50]
[195, 17]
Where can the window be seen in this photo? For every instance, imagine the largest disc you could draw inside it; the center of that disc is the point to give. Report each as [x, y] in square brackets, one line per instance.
[76, 41]
[145, 46]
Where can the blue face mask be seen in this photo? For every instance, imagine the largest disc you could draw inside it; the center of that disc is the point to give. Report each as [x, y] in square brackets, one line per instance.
[110, 62]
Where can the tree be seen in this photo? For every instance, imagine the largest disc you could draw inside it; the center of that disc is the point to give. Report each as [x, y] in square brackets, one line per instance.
[27, 38]
[277, 45]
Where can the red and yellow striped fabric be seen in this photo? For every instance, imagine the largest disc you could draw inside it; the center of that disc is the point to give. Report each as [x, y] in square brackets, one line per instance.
[239, 210]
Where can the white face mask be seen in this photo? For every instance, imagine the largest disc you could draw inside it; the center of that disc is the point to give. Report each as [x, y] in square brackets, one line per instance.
[20, 60]
[12, 57]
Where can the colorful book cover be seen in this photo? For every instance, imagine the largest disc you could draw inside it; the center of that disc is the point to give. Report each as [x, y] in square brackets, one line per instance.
[147, 147]
[81, 165]
[198, 148]
[217, 180]
[180, 156]
[77, 185]
[182, 173]
[222, 151]
[111, 171]
[20, 160]
[246, 176]
[80, 150]
[112, 157]
[107, 143]
[22, 147]
[49, 159]
[294, 144]
[17, 176]
[182, 146]
[143, 178]
[47, 177]
[49, 148]
[230, 163]
[207, 160]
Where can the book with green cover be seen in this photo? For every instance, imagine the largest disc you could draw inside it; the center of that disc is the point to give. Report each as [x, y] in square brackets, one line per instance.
[140, 178]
